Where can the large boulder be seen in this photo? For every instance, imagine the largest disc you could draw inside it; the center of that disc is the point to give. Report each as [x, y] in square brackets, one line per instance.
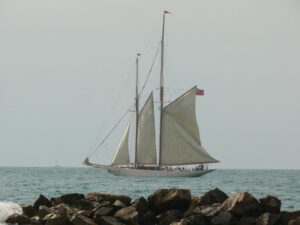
[41, 200]
[104, 211]
[286, 217]
[28, 210]
[165, 199]
[209, 211]
[223, 217]
[128, 215]
[295, 222]
[43, 211]
[141, 205]
[83, 204]
[194, 203]
[99, 197]
[212, 196]
[67, 199]
[193, 220]
[270, 204]
[108, 220]
[18, 218]
[168, 217]
[56, 219]
[148, 218]
[242, 203]
[77, 219]
[267, 219]
[246, 221]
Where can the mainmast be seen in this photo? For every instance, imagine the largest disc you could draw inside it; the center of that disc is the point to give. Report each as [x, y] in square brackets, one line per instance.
[162, 84]
[136, 107]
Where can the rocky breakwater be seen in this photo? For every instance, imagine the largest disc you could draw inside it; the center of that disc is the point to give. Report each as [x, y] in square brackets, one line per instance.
[163, 207]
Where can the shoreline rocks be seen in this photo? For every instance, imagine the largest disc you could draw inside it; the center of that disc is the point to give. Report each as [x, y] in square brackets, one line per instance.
[163, 207]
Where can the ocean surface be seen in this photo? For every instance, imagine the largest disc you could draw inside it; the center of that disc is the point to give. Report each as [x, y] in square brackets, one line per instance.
[23, 185]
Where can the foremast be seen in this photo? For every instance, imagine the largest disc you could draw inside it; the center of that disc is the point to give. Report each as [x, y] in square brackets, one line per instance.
[162, 85]
[136, 108]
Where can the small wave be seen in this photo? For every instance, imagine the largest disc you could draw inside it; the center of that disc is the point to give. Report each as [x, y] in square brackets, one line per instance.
[8, 208]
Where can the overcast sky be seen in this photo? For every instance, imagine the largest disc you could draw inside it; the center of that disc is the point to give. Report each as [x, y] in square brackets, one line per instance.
[66, 75]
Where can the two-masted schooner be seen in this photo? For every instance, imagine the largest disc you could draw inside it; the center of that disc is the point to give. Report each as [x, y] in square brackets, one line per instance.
[179, 140]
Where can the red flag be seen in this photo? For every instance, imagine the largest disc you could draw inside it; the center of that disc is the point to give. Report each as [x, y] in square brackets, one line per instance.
[199, 92]
[167, 12]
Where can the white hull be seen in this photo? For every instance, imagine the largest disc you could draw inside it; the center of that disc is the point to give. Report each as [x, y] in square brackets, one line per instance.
[155, 173]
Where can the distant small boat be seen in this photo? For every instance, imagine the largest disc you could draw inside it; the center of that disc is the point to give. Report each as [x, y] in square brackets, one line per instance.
[179, 139]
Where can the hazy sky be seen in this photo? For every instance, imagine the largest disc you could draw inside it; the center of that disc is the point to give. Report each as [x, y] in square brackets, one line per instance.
[65, 65]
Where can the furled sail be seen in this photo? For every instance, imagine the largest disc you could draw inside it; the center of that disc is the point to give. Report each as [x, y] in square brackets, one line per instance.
[146, 146]
[180, 134]
[122, 154]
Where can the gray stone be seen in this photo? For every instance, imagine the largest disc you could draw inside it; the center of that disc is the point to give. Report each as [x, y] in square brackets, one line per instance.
[96, 196]
[212, 196]
[286, 217]
[148, 218]
[18, 218]
[43, 211]
[165, 199]
[270, 204]
[28, 210]
[223, 217]
[109, 220]
[267, 219]
[41, 200]
[141, 205]
[242, 203]
[77, 219]
[128, 215]
[194, 220]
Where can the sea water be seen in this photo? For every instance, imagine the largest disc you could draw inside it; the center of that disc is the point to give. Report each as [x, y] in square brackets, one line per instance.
[23, 185]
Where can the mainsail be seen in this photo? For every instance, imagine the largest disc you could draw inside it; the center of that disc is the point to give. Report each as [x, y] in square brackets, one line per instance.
[180, 134]
[146, 146]
[122, 154]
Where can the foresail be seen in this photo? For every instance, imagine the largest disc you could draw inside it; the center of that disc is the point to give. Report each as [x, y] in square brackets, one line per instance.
[146, 146]
[180, 134]
[122, 154]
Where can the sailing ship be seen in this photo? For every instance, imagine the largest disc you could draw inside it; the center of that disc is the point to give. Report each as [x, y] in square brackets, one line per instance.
[179, 140]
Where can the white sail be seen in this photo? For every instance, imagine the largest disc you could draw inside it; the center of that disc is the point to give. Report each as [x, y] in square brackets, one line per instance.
[122, 154]
[180, 134]
[146, 146]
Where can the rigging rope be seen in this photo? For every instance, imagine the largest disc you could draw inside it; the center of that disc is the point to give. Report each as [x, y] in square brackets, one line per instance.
[107, 136]
[149, 72]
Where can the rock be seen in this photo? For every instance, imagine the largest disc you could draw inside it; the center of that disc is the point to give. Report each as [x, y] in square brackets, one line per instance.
[212, 196]
[194, 203]
[95, 196]
[242, 203]
[35, 221]
[141, 205]
[109, 220]
[270, 204]
[128, 215]
[246, 221]
[208, 211]
[295, 222]
[118, 204]
[67, 199]
[28, 210]
[43, 211]
[267, 219]
[165, 199]
[18, 218]
[56, 219]
[148, 218]
[194, 220]
[285, 216]
[223, 217]
[77, 219]
[41, 200]
[83, 204]
[168, 217]
[104, 211]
